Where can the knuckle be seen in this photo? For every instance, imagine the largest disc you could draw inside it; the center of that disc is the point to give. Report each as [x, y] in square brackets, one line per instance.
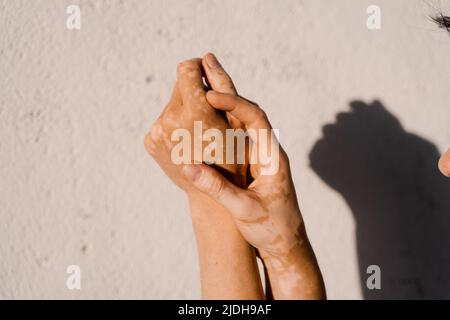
[153, 137]
[149, 144]
[260, 113]
[227, 86]
[148, 140]
[186, 66]
[215, 186]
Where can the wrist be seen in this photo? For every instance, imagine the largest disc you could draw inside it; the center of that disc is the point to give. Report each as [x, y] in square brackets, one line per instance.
[294, 274]
[292, 246]
[284, 258]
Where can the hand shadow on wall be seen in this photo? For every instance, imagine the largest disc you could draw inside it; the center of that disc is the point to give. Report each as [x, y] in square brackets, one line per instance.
[400, 202]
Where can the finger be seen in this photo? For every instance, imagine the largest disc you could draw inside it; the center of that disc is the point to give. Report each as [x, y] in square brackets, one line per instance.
[248, 113]
[217, 77]
[444, 163]
[209, 181]
[265, 150]
[190, 81]
[219, 80]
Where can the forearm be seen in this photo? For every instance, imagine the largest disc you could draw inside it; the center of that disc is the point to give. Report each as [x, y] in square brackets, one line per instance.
[227, 262]
[296, 274]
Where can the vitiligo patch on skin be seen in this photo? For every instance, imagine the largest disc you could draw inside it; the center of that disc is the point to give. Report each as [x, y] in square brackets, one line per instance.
[172, 121]
[275, 231]
[289, 282]
[149, 145]
[198, 93]
[192, 74]
[151, 148]
[156, 132]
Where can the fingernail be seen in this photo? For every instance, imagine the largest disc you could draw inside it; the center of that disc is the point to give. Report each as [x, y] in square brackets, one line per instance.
[212, 61]
[192, 172]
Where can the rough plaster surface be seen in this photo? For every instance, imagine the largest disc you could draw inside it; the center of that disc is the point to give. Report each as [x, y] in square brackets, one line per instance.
[76, 186]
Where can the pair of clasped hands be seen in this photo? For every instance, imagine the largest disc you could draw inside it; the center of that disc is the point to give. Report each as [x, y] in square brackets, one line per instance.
[238, 213]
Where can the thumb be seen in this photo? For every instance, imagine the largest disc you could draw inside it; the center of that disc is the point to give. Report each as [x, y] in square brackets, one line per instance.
[209, 181]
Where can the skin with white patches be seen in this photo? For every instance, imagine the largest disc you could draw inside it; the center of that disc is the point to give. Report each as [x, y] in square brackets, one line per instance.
[187, 105]
[266, 212]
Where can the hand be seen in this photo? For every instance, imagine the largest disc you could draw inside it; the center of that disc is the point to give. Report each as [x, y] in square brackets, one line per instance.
[188, 104]
[267, 212]
[444, 164]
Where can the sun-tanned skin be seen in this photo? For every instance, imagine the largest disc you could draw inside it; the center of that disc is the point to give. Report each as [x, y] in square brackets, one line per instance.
[266, 212]
[227, 262]
[444, 164]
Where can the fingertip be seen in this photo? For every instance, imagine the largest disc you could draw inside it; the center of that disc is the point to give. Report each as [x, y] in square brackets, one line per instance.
[207, 56]
[211, 61]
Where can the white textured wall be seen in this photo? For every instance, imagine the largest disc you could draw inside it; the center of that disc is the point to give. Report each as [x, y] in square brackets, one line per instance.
[76, 186]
